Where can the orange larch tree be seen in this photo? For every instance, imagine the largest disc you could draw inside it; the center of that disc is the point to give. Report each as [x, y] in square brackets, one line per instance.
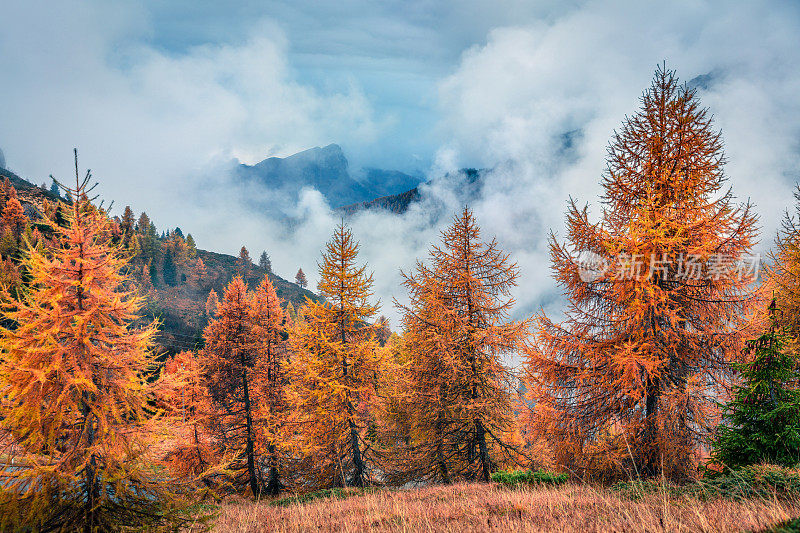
[300, 278]
[243, 262]
[334, 364]
[657, 299]
[212, 302]
[14, 216]
[74, 416]
[269, 329]
[199, 274]
[230, 363]
[184, 394]
[457, 328]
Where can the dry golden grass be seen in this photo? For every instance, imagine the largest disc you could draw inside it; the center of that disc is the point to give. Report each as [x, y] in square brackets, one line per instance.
[478, 507]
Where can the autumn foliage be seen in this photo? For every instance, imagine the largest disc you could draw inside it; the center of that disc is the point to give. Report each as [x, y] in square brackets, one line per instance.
[334, 366]
[100, 431]
[76, 423]
[184, 394]
[457, 328]
[627, 381]
[242, 366]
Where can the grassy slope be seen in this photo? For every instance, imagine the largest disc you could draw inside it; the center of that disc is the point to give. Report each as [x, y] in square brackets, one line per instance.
[479, 507]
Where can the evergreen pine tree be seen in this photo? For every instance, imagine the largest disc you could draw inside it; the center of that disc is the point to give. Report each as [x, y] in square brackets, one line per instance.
[54, 189]
[265, 262]
[762, 421]
[168, 271]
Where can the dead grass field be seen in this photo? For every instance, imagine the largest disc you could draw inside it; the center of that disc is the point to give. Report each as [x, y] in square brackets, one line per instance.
[479, 507]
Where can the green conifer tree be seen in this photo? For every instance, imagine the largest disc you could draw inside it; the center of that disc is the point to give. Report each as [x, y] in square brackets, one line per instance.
[762, 421]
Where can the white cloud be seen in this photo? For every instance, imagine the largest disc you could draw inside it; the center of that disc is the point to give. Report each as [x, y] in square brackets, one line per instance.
[147, 121]
[537, 101]
[513, 99]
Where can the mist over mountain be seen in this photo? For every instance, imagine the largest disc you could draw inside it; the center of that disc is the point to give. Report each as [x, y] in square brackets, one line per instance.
[467, 182]
[325, 169]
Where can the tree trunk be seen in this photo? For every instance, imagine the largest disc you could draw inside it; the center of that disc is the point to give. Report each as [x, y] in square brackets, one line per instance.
[249, 450]
[358, 475]
[650, 437]
[483, 451]
[274, 483]
[90, 475]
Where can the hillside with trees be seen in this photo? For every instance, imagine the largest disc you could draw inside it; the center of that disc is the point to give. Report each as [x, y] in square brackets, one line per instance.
[171, 272]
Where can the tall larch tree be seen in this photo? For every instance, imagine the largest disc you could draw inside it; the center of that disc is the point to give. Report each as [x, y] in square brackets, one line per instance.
[243, 262]
[212, 303]
[657, 302]
[457, 328]
[14, 216]
[198, 276]
[191, 246]
[334, 364]
[270, 334]
[74, 417]
[230, 368]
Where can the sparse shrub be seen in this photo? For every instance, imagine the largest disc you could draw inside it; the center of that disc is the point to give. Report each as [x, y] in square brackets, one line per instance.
[332, 494]
[755, 481]
[519, 477]
[749, 482]
[787, 526]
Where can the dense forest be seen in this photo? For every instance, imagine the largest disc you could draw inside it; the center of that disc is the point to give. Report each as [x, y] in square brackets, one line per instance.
[141, 375]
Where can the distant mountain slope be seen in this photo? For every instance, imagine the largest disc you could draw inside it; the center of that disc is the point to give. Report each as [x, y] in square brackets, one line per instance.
[181, 309]
[30, 195]
[327, 170]
[395, 203]
[468, 180]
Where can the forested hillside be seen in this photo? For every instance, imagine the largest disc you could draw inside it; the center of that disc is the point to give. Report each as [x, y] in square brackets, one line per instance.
[175, 276]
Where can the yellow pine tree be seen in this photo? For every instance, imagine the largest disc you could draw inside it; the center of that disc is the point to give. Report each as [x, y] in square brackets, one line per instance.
[333, 366]
[74, 420]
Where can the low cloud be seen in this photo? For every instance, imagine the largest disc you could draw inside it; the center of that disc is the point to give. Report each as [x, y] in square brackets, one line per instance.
[148, 122]
[536, 102]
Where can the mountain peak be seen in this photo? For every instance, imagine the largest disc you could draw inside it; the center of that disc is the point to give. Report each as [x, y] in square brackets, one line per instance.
[325, 169]
[332, 148]
[330, 156]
